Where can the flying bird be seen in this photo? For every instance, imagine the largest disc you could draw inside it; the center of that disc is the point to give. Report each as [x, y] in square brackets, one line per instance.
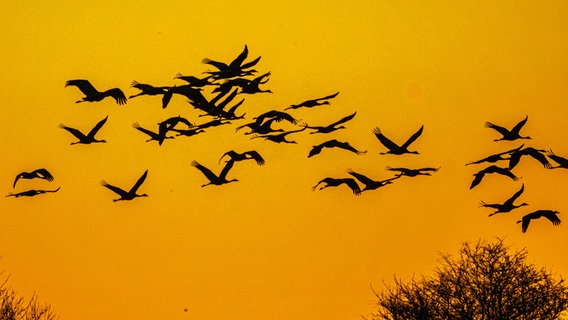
[213, 178]
[235, 69]
[509, 135]
[127, 195]
[90, 137]
[369, 183]
[334, 144]
[333, 182]
[93, 95]
[313, 102]
[194, 81]
[280, 137]
[31, 193]
[247, 155]
[332, 127]
[395, 148]
[548, 214]
[159, 136]
[506, 206]
[561, 161]
[529, 151]
[495, 157]
[147, 89]
[38, 173]
[491, 169]
[413, 172]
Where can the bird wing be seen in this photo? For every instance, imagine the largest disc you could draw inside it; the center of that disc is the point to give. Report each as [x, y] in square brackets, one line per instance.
[550, 215]
[499, 129]
[519, 125]
[219, 65]
[240, 58]
[384, 140]
[97, 127]
[540, 158]
[315, 150]
[146, 131]
[17, 178]
[516, 195]
[44, 174]
[353, 185]
[526, 220]
[78, 134]
[364, 179]
[331, 96]
[166, 98]
[477, 179]
[343, 120]
[511, 151]
[139, 182]
[116, 190]
[84, 85]
[226, 169]
[558, 159]
[250, 64]
[206, 172]
[256, 156]
[413, 137]
[117, 94]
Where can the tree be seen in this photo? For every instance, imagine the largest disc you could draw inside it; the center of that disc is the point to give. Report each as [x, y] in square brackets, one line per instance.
[483, 282]
[13, 307]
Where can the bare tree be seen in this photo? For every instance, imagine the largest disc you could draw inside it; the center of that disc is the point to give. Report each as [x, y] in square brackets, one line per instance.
[485, 281]
[14, 307]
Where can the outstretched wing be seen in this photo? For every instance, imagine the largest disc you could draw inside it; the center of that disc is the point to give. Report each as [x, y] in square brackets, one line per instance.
[331, 96]
[84, 85]
[364, 179]
[550, 215]
[78, 134]
[116, 190]
[519, 125]
[97, 127]
[343, 120]
[516, 195]
[499, 129]
[226, 169]
[413, 137]
[384, 140]
[240, 58]
[117, 94]
[44, 174]
[256, 156]
[219, 65]
[353, 185]
[206, 172]
[139, 182]
[146, 131]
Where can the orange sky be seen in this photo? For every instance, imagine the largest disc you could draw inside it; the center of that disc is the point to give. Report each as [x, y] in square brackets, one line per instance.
[268, 247]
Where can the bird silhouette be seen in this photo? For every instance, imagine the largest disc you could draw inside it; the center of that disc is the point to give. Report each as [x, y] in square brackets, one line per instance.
[333, 144]
[235, 69]
[506, 206]
[548, 214]
[90, 137]
[31, 193]
[334, 182]
[213, 178]
[38, 173]
[187, 132]
[213, 123]
[147, 89]
[369, 183]
[395, 148]
[259, 128]
[247, 155]
[278, 116]
[193, 81]
[280, 137]
[160, 136]
[496, 157]
[313, 102]
[332, 127]
[529, 151]
[246, 86]
[511, 135]
[491, 169]
[561, 161]
[93, 95]
[127, 195]
[413, 172]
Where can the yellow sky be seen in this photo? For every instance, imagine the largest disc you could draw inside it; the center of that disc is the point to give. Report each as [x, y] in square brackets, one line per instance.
[268, 247]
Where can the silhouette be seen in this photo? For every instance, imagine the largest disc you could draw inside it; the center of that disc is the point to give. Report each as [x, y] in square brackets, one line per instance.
[491, 169]
[38, 173]
[187, 132]
[31, 193]
[313, 102]
[332, 127]
[147, 89]
[529, 151]
[279, 138]
[506, 206]
[213, 178]
[92, 95]
[263, 123]
[548, 214]
[509, 135]
[393, 147]
[159, 136]
[170, 123]
[333, 144]
[235, 69]
[213, 123]
[127, 195]
[562, 162]
[194, 95]
[413, 172]
[278, 116]
[333, 182]
[90, 137]
[194, 81]
[247, 86]
[496, 157]
[244, 156]
[369, 183]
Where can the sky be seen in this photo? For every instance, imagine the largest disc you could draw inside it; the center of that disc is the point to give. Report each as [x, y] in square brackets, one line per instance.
[268, 246]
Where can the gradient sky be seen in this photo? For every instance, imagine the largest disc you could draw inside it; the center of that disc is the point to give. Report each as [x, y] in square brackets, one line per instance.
[268, 247]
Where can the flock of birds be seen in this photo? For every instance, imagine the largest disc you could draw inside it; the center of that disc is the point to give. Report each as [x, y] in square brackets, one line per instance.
[231, 80]
[512, 158]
